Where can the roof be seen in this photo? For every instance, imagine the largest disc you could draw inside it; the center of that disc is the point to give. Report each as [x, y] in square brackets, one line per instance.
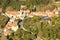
[20, 16]
[31, 14]
[52, 15]
[7, 32]
[10, 24]
[42, 13]
[39, 13]
[26, 11]
[14, 12]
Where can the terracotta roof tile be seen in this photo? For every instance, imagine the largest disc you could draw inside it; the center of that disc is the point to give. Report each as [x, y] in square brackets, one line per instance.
[7, 32]
[32, 14]
[52, 14]
[13, 12]
[9, 25]
[38, 13]
[26, 11]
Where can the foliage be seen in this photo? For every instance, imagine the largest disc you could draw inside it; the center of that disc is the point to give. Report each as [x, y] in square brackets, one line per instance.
[3, 21]
[38, 28]
[15, 4]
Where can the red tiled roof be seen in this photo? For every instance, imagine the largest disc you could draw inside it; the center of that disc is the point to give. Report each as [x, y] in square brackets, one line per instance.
[7, 32]
[9, 25]
[13, 12]
[39, 13]
[32, 14]
[52, 15]
[20, 16]
[26, 11]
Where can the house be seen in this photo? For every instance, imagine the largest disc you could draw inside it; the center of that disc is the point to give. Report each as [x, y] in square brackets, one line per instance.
[55, 12]
[41, 13]
[17, 14]
[47, 13]
[24, 12]
[37, 13]
[7, 32]
[12, 20]
[13, 13]
[12, 25]
[52, 13]
[9, 28]
[32, 14]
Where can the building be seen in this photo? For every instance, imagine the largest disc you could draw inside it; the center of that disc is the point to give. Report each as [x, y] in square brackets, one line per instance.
[53, 13]
[11, 26]
[17, 14]
[26, 13]
[13, 13]
[7, 32]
